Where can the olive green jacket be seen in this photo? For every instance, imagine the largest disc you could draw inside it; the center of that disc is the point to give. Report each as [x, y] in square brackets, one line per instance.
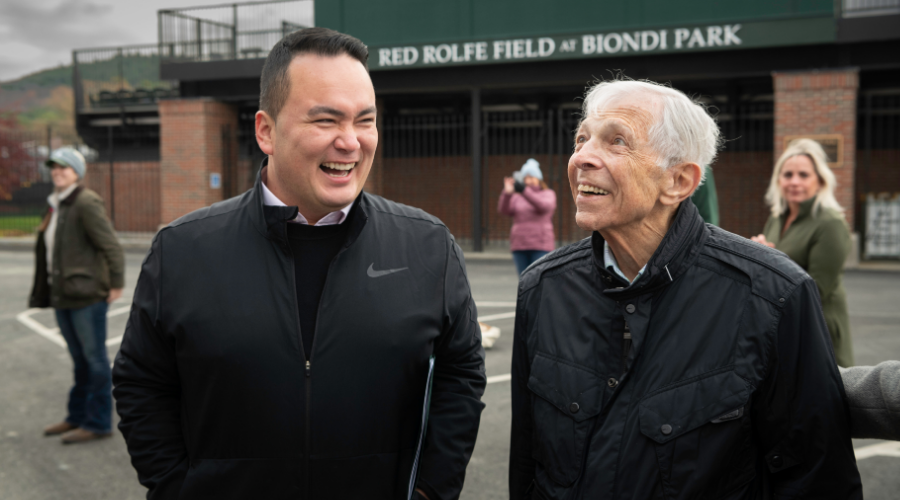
[820, 245]
[87, 257]
[707, 200]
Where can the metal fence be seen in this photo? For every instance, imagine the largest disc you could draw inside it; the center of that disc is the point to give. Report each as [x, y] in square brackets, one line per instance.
[110, 78]
[24, 185]
[233, 31]
[428, 162]
[853, 8]
[878, 169]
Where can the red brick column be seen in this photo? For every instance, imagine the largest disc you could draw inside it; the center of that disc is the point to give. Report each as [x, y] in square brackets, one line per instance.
[191, 150]
[819, 103]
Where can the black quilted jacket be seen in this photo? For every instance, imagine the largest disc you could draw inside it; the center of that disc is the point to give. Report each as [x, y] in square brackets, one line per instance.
[710, 377]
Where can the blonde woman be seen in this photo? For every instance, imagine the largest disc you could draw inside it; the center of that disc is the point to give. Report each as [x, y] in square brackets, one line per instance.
[807, 224]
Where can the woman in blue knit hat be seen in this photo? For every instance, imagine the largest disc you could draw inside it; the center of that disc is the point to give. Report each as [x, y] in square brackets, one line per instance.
[527, 199]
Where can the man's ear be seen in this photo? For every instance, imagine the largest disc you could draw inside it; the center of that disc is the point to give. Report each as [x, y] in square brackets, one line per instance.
[683, 180]
[265, 132]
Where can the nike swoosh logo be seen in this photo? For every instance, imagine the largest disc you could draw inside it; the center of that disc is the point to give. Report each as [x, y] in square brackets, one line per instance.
[377, 274]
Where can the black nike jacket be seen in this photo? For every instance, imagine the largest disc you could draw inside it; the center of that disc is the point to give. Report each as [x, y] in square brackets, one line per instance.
[217, 399]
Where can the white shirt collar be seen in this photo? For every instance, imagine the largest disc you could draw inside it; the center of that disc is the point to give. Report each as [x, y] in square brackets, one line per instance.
[609, 261]
[331, 219]
[55, 198]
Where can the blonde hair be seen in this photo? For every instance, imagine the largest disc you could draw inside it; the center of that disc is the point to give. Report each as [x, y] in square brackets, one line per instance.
[824, 198]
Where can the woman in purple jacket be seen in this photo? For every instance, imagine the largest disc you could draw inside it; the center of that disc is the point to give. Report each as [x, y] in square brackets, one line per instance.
[531, 205]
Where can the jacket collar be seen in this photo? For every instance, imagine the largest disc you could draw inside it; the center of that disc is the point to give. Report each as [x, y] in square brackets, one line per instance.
[806, 209]
[68, 196]
[272, 221]
[676, 253]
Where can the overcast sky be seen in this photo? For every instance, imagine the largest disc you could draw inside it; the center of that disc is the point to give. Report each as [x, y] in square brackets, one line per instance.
[39, 34]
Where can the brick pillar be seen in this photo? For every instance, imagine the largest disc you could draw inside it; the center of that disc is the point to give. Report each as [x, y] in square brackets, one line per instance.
[374, 183]
[817, 103]
[192, 149]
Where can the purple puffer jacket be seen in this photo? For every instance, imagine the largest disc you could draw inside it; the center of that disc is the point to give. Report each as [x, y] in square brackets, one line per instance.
[532, 213]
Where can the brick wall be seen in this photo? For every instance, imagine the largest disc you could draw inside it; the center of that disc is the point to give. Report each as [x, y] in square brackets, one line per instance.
[820, 102]
[742, 178]
[442, 186]
[135, 202]
[191, 149]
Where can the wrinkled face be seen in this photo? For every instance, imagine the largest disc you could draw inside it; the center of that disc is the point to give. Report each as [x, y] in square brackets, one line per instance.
[612, 173]
[324, 137]
[798, 179]
[63, 176]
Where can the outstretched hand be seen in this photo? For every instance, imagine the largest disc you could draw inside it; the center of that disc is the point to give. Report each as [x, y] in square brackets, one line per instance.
[762, 239]
[509, 185]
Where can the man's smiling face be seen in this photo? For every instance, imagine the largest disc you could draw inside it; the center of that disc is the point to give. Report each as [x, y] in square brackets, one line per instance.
[323, 141]
[613, 173]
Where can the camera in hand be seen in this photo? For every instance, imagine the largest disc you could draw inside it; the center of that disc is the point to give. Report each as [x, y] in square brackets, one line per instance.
[519, 181]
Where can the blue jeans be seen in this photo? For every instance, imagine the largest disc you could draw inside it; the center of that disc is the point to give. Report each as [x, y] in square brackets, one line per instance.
[524, 258]
[90, 400]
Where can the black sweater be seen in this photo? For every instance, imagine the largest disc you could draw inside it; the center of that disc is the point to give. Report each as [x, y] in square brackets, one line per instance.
[313, 248]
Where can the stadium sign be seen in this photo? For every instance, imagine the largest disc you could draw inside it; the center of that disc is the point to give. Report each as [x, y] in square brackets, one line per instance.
[606, 44]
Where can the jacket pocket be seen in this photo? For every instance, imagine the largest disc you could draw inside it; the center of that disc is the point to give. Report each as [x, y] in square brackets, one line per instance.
[567, 400]
[79, 283]
[702, 435]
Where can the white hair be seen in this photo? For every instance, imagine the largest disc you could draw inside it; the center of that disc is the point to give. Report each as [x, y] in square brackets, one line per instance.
[824, 198]
[683, 131]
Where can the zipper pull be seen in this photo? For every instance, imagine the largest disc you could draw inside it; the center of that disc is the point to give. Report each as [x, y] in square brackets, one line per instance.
[626, 347]
[307, 368]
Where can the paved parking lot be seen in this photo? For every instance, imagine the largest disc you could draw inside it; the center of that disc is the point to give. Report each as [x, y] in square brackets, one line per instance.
[36, 373]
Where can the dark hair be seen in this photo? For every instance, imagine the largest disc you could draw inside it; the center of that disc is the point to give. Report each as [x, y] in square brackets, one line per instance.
[275, 83]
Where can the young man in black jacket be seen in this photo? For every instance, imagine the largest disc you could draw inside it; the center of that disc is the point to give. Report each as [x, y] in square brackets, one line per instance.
[280, 342]
[663, 357]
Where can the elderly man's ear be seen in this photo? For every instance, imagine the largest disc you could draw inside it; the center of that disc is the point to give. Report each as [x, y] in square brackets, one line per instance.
[680, 183]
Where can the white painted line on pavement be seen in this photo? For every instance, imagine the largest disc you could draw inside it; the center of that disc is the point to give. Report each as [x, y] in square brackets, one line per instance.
[51, 334]
[495, 304]
[116, 312]
[499, 378]
[889, 449]
[494, 317]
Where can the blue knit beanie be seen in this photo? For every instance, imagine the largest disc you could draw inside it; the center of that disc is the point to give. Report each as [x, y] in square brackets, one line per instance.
[532, 168]
[69, 157]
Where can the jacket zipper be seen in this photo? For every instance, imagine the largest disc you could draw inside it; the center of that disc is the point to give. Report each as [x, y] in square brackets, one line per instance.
[306, 430]
[312, 349]
[296, 308]
[626, 347]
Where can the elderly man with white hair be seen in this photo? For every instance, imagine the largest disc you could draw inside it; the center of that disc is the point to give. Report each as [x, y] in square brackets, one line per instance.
[664, 358]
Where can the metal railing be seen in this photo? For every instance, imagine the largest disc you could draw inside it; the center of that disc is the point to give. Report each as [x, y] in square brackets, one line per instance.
[853, 8]
[113, 77]
[228, 32]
